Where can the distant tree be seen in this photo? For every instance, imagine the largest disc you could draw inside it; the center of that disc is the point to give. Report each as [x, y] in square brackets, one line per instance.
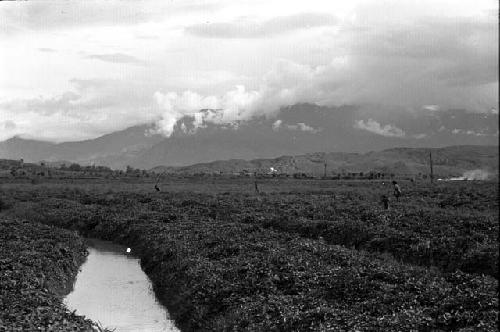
[103, 169]
[75, 167]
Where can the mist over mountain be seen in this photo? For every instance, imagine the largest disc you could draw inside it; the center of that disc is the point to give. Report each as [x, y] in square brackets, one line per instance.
[296, 129]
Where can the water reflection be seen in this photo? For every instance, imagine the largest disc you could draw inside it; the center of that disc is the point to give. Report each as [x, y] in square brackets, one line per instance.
[112, 289]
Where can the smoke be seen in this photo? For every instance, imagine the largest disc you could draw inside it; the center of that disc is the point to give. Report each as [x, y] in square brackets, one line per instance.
[477, 174]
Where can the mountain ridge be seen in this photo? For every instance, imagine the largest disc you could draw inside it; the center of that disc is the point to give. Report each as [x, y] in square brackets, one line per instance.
[119, 145]
[296, 129]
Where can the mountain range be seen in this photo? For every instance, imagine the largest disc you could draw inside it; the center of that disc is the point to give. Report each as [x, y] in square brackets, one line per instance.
[296, 130]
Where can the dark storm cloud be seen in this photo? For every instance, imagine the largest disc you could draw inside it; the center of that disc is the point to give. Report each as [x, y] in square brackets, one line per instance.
[425, 37]
[458, 52]
[446, 62]
[471, 73]
[252, 29]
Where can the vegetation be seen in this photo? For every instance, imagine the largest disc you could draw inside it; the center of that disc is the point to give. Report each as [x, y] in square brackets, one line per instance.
[37, 264]
[302, 255]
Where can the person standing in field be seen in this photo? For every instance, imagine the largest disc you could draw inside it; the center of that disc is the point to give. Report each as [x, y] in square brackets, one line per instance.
[385, 202]
[397, 190]
[157, 188]
[255, 183]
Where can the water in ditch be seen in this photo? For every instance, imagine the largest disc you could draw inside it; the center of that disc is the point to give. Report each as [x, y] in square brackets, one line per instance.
[112, 289]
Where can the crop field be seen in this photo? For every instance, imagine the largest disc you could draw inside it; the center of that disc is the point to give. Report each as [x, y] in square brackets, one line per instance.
[302, 255]
[36, 263]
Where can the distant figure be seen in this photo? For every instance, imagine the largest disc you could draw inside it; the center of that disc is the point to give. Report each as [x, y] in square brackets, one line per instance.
[397, 190]
[385, 202]
[157, 188]
[256, 187]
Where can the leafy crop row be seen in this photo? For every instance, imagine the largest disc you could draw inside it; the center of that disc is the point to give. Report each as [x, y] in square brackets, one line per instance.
[37, 262]
[237, 261]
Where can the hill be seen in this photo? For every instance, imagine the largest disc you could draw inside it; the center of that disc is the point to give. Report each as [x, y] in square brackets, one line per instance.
[448, 162]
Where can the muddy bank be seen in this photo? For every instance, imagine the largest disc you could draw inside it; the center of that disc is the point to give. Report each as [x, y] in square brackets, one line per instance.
[37, 265]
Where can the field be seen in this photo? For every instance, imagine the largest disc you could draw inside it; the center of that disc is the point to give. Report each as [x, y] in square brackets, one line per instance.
[302, 255]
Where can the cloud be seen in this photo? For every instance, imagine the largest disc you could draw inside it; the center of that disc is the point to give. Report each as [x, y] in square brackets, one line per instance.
[300, 126]
[147, 37]
[286, 84]
[92, 108]
[46, 49]
[303, 127]
[115, 58]
[8, 125]
[245, 28]
[345, 80]
[420, 136]
[432, 108]
[447, 61]
[277, 124]
[39, 16]
[235, 105]
[471, 132]
[410, 57]
[376, 128]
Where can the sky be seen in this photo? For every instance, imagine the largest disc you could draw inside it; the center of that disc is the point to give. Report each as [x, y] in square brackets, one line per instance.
[73, 70]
